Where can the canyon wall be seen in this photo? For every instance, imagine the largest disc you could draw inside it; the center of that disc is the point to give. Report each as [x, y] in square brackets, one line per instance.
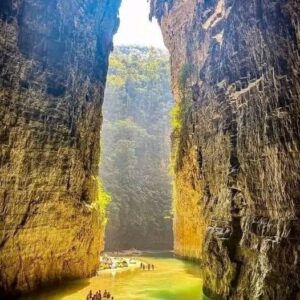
[53, 65]
[235, 71]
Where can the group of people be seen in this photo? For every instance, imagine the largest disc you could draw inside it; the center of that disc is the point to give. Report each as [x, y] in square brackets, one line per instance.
[107, 295]
[147, 267]
[99, 296]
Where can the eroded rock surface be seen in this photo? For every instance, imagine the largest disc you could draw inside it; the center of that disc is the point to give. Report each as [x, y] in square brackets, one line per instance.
[53, 64]
[235, 68]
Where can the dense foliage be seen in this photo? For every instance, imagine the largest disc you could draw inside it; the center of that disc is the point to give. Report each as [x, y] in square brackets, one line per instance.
[135, 149]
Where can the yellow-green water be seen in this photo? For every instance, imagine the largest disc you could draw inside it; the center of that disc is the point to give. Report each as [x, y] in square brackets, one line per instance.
[172, 279]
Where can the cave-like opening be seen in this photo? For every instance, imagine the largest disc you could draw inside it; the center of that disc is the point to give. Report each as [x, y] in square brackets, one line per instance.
[136, 135]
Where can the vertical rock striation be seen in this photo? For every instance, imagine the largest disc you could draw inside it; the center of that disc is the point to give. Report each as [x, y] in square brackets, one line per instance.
[53, 64]
[235, 69]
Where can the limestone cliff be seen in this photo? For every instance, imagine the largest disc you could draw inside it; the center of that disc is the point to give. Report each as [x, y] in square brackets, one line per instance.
[53, 64]
[235, 68]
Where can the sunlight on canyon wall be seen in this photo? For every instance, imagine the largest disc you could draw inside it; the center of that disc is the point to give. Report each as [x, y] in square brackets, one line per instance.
[236, 150]
[54, 58]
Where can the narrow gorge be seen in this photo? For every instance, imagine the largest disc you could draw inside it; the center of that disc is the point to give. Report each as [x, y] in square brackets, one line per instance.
[236, 147]
[235, 71]
[136, 149]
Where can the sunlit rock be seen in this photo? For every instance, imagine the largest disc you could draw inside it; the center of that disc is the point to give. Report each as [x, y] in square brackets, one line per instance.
[235, 69]
[53, 64]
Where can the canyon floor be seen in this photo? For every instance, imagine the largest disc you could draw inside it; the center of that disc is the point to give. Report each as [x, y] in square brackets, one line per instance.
[172, 279]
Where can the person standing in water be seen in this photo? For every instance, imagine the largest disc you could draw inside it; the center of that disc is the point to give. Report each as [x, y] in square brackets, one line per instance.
[90, 295]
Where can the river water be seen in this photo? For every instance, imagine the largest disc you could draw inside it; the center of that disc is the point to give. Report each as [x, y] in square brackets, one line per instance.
[172, 279]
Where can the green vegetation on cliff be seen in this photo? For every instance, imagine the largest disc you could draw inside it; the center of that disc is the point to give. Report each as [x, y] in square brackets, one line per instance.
[102, 201]
[135, 149]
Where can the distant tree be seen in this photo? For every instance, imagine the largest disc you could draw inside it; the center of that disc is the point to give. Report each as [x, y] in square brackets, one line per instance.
[135, 149]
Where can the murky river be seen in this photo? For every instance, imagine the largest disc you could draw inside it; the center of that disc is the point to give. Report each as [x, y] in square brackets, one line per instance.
[172, 279]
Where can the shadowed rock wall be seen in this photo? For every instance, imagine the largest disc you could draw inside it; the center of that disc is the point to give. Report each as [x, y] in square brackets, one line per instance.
[53, 64]
[235, 69]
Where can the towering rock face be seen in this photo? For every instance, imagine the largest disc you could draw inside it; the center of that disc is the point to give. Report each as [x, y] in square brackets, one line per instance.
[53, 64]
[235, 68]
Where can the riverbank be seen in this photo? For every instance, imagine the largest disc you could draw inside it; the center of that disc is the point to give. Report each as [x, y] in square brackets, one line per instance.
[110, 263]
